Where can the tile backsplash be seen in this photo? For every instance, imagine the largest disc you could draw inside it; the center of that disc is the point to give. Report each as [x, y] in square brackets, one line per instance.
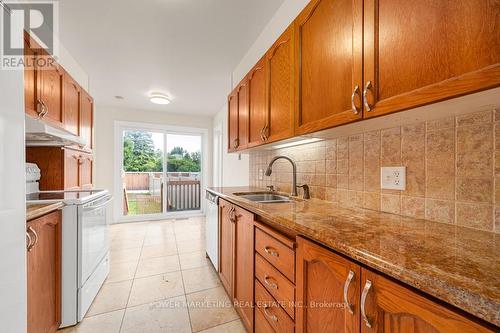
[453, 169]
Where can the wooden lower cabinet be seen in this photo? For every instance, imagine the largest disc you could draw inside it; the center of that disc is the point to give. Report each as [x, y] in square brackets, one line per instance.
[226, 239]
[44, 273]
[322, 279]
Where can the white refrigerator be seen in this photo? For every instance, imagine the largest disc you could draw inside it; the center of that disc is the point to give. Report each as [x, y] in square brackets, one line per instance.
[12, 202]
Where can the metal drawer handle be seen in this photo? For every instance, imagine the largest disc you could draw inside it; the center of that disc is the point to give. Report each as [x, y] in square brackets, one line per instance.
[28, 240]
[353, 96]
[366, 289]
[272, 285]
[347, 283]
[271, 251]
[269, 315]
[365, 100]
[30, 229]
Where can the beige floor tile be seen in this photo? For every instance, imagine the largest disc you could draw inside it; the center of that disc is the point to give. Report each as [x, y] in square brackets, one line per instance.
[124, 244]
[189, 236]
[160, 250]
[193, 260]
[109, 322]
[111, 297]
[200, 279]
[125, 255]
[155, 266]
[122, 271]
[156, 288]
[191, 246]
[236, 326]
[210, 308]
[158, 239]
[166, 316]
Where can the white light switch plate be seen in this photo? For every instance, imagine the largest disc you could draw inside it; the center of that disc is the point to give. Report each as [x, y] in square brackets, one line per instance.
[393, 178]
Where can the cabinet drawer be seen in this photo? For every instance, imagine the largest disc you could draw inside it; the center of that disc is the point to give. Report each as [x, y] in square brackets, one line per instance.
[261, 324]
[278, 254]
[276, 284]
[273, 313]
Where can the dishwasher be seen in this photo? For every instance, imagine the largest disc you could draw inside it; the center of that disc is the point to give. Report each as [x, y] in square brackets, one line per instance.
[212, 228]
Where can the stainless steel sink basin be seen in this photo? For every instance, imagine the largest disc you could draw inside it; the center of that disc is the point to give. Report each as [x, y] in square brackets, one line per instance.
[264, 197]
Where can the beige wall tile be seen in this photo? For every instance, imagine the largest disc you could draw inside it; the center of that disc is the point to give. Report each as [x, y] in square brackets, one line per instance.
[356, 183]
[413, 157]
[343, 197]
[331, 181]
[476, 190]
[413, 207]
[371, 201]
[343, 148]
[439, 124]
[475, 164]
[343, 181]
[372, 183]
[331, 166]
[477, 216]
[356, 198]
[391, 147]
[440, 186]
[478, 137]
[390, 203]
[475, 118]
[440, 210]
[497, 219]
[497, 190]
[343, 166]
[331, 194]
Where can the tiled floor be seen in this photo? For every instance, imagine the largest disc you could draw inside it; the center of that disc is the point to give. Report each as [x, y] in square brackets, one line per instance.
[160, 281]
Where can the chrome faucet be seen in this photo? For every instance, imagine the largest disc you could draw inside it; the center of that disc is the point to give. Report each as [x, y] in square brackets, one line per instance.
[269, 171]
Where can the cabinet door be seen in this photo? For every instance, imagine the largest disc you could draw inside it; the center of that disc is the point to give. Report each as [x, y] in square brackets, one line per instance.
[50, 87]
[71, 97]
[322, 277]
[329, 64]
[226, 248]
[71, 169]
[280, 66]
[30, 75]
[390, 307]
[242, 93]
[232, 102]
[257, 106]
[44, 274]
[86, 162]
[87, 119]
[419, 52]
[244, 266]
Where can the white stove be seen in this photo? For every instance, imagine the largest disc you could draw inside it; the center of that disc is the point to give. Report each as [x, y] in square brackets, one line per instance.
[85, 243]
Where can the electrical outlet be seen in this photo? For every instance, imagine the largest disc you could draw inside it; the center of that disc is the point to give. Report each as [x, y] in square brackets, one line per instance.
[393, 178]
[261, 174]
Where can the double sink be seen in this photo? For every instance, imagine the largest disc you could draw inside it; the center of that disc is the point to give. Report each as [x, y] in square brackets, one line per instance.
[264, 197]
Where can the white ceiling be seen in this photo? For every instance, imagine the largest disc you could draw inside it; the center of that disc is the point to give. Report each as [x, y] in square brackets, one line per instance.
[185, 48]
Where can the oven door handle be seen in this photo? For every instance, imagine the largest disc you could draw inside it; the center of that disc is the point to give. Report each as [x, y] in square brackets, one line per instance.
[90, 208]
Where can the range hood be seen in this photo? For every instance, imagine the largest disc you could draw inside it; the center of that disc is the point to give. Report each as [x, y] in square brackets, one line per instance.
[38, 133]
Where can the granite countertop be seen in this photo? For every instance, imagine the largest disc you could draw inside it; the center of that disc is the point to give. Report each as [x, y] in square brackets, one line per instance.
[36, 210]
[457, 265]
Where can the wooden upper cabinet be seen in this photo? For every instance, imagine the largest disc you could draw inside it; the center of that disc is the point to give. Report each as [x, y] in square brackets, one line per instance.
[257, 106]
[232, 102]
[419, 52]
[226, 248]
[244, 265]
[44, 274]
[391, 307]
[30, 78]
[50, 91]
[87, 119]
[71, 169]
[280, 68]
[71, 106]
[322, 278]
[242, 94]
[328, 46]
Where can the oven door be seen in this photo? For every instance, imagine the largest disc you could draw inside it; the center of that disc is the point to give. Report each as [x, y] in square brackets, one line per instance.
[93, 244]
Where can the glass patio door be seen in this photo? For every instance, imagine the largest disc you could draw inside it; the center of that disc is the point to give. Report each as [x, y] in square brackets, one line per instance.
[161, 173]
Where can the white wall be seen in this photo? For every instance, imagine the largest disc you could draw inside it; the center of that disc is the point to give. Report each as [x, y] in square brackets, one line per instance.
[12, 202]
[105, 118]
[235, 168]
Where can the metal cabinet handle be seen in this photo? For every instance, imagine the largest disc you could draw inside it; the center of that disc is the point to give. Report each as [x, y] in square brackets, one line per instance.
[262, 134]
[46, 109]
[43, 109]
[347, 283]
[368, 86]
[28, 240]
[353, 103]
[30, 229]
[266, 132]
[271, 251]
[272, 285]
[232, 216]
[236, 143]
[366, 289]
[269, 315]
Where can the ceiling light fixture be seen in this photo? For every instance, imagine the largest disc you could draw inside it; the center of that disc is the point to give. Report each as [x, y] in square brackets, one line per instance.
[158, 98]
